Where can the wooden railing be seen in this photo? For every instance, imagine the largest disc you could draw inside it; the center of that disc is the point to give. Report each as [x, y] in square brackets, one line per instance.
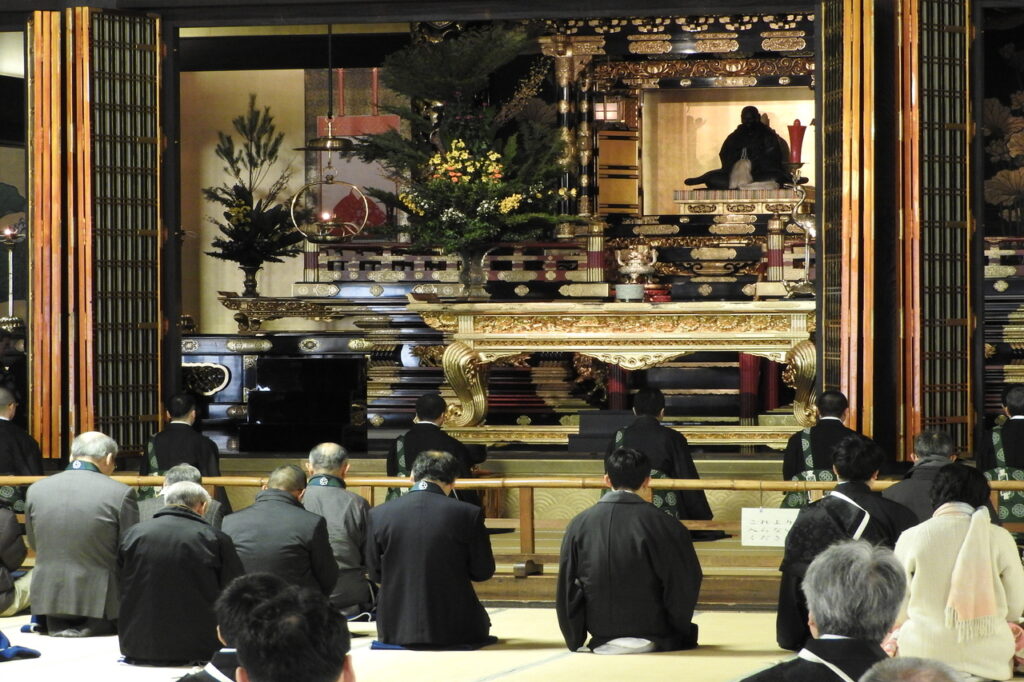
[528, 561]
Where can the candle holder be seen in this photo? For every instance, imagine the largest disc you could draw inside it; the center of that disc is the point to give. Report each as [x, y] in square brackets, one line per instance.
[808, 224]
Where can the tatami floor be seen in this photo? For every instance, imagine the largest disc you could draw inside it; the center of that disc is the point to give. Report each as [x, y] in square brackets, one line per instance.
[733, 644]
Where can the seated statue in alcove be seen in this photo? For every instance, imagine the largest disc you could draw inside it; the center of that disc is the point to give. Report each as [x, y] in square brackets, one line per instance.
[752, 157]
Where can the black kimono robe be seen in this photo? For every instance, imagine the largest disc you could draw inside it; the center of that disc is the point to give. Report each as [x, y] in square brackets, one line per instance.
[425, 436]
[425, 549]
[172, 569]
[627, 570]
[670, 458]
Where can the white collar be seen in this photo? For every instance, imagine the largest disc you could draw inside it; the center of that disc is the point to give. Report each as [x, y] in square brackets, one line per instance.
[1017, 416]
[835, 418]
[180, 421]
[833, 637]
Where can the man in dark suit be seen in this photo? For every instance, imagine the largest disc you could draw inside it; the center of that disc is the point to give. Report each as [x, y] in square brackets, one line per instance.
[426, 434]
[854, 591]
[75, 520]
[180, 443]
[233, 608]
[345, 513]
[424, 549]
[628, 573]
[277, 535]
[214, 514]
[19, 453]
[172, 569]
[932, 451]
[1009, 435]
[668, 452]
[850, 511]
[294, 636]
[816, 442]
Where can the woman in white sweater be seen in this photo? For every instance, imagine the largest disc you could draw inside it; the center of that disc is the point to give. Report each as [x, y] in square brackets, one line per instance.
[965, 581]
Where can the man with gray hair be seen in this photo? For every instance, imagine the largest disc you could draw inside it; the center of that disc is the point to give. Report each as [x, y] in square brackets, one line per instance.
[214, 513]
[276, 535]
[932, 451]
[74, 520]
[345, 513]
[172, 570]
[910, 669]
[854, 590]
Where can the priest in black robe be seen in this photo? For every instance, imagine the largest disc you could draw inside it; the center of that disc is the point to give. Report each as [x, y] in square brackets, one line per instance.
[628, 573]
[756, 142]
[668, 452]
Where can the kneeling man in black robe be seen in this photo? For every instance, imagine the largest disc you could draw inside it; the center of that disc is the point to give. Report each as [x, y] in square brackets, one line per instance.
[628, 573]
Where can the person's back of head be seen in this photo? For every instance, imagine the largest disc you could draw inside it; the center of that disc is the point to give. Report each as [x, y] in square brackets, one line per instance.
[856, 458]
[436, 466]
[933, 444]
[910, 669]
[237, 601]
[96, 448]
[854, 589]
[6, 399]
[186, 494]
[649, 402]
[430, 407]
[295, 635]
[327, 458]
[831, 404]
[182, 472]
[180, 405]
[1013, 400]
[959, 483]
[287, 477]
[627, 469]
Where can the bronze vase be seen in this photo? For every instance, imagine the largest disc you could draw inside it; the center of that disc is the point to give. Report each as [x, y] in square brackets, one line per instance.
[473, 274]
[249, 282]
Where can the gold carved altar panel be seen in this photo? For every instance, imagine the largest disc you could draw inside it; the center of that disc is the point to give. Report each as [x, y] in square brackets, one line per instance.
[630, 335]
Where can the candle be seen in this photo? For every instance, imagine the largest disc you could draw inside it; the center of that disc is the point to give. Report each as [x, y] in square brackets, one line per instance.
[796, 140]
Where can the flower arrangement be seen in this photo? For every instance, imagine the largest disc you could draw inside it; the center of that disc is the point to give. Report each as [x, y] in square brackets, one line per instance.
[471, 172]
[255, 224]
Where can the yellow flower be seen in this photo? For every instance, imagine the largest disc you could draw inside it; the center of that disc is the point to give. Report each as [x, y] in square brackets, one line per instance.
[510, 203]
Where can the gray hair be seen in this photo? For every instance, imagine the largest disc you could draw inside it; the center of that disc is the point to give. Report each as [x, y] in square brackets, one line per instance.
[327, 457]
[910, 669]
[6, 398]
[185, 494]
[182, 472]
[854, 589]
[933, 444]
[93, 445]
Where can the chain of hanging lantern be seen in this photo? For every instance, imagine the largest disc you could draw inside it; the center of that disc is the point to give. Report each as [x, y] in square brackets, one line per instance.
[325, 226]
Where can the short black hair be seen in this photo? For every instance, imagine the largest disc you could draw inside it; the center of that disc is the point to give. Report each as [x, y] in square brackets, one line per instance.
[649, 401]
[933, 444]
[959, 483]
[436, 465]
[430, 406]
[180, 405]
[295, 635]
[240, 597]
[627, 468]
[287, 477]
[1013, 400]
[856, 458]
[831, 404]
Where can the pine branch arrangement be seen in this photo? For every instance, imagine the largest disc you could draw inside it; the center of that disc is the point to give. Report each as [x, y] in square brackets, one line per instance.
[471, 172]
[255, 225]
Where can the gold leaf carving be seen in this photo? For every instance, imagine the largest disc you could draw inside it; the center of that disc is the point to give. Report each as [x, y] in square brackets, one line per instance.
[309, 344]
[704, 290]
[783, 44]
[1001, 286]
[779, 208]
[249, 345]
[445, 275]
[998, 271]
[441, 322]
[360, 344]
[731, 218]
[205, 378]
[595, 289]
[701, 208]
[607, 72]
[735, 82]
[430, 356]
[740, 208]
[717, 46]
[189, 345]
[521, 290]
[990, 351]
[390, 276]
[629, 324]
[712, 253]
[732, 228]
[517, 276]
[656, 229]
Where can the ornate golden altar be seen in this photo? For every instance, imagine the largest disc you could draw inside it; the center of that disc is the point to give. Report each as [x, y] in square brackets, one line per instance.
[630, 335]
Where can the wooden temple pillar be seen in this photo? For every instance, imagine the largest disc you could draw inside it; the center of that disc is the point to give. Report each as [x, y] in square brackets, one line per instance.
[95, 326]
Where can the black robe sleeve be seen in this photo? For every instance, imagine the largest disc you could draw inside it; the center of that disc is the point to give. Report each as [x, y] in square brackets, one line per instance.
[792, 458]
[481, 557]
[694, 502]
[679, 569]
[570, 602]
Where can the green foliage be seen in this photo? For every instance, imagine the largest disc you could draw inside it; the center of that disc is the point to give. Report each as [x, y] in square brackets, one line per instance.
[256, 227]
[472, 172]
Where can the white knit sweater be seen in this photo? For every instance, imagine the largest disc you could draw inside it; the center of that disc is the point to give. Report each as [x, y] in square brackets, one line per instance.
[928, 552]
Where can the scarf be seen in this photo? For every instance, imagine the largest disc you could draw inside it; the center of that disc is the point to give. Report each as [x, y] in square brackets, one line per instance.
[971, 605]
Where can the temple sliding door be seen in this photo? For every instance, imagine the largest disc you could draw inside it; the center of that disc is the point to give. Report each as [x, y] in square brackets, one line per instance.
[95, 230]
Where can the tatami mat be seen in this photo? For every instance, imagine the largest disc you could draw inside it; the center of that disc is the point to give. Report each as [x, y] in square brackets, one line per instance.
[732, 644]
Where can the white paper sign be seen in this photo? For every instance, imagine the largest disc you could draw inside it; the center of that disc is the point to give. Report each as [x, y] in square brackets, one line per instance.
[764, 527]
